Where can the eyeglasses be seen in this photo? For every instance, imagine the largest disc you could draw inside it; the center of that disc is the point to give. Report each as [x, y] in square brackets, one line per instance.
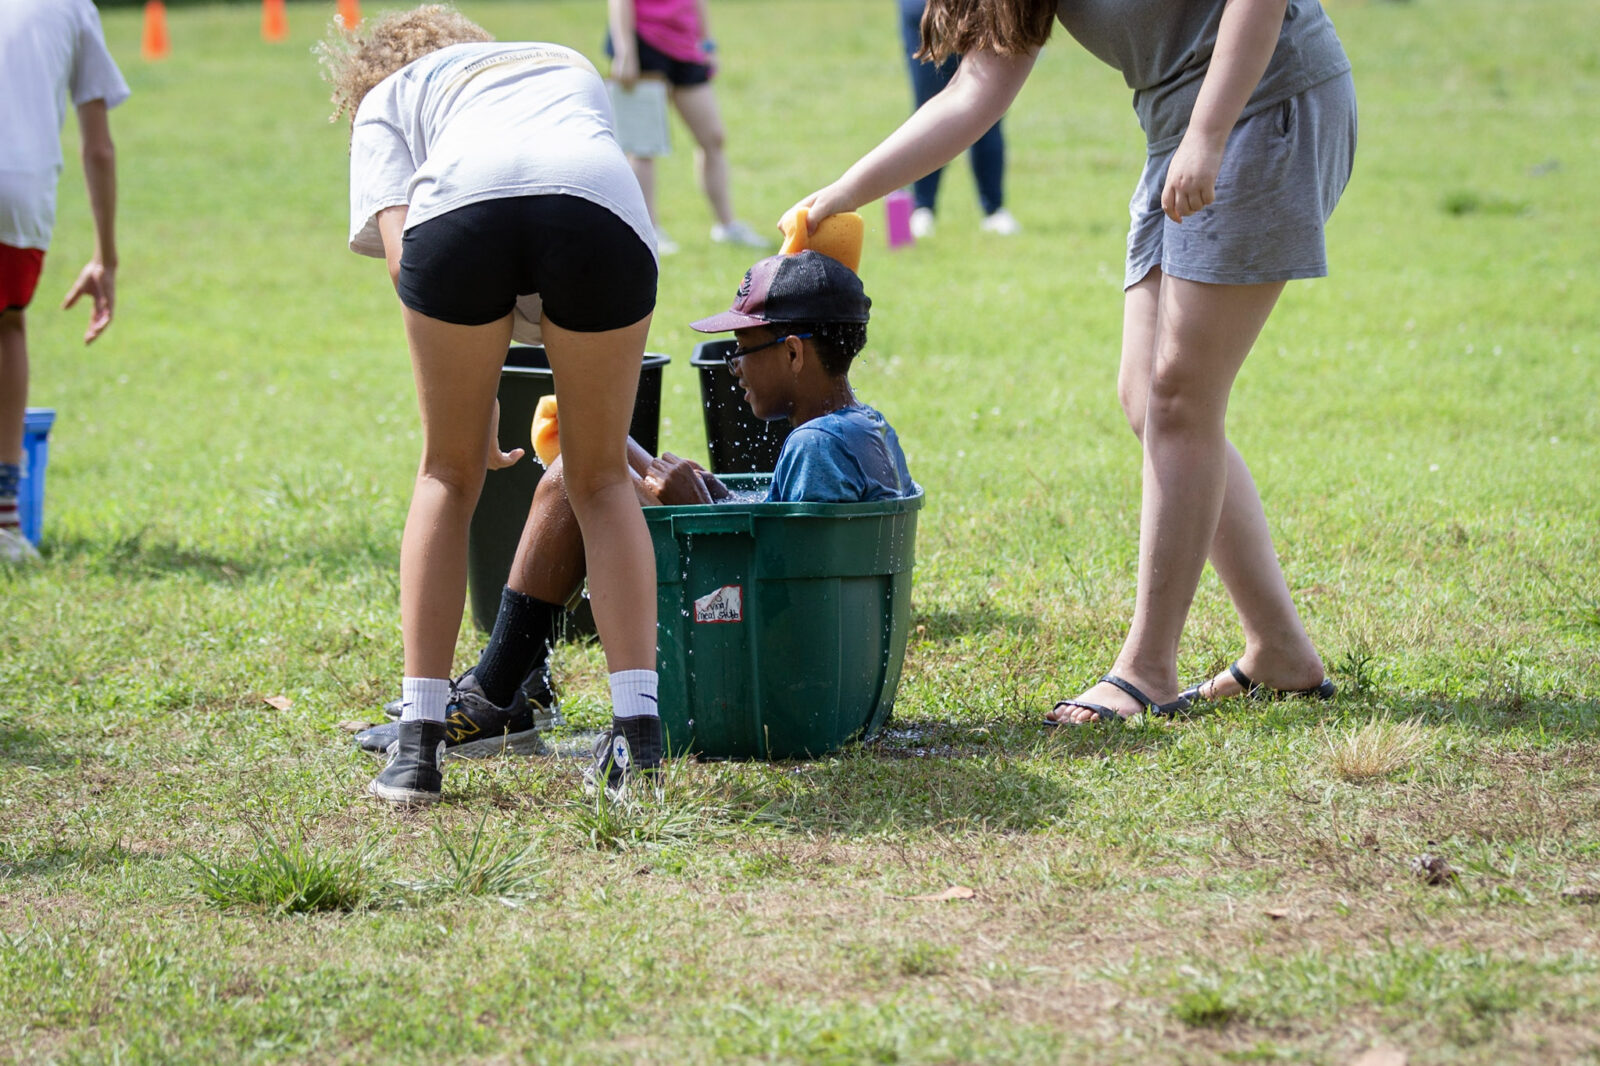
[740, 353]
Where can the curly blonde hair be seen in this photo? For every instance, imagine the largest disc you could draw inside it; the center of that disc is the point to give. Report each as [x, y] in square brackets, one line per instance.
[355, 60]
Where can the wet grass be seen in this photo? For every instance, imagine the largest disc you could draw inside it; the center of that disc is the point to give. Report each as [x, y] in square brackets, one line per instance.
[189, 869]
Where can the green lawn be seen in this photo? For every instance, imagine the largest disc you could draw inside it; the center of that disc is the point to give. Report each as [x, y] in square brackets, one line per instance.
[189, 874]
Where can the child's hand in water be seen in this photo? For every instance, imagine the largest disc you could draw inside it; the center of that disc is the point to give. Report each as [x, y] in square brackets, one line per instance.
[673, 481]
[718, 490]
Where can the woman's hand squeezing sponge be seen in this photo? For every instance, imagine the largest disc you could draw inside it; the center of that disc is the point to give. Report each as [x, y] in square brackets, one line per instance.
[838, 236]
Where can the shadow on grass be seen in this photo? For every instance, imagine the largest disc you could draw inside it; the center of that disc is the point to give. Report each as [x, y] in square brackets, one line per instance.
[60, 858]
[31, 747]
[146, 556]
[1548, 718]
[947, 623]
[947, 776]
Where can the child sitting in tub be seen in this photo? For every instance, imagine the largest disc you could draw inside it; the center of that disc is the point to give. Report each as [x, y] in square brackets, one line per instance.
[798, 321]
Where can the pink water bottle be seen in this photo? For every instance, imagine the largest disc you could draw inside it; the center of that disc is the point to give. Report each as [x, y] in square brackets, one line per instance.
[897, 207]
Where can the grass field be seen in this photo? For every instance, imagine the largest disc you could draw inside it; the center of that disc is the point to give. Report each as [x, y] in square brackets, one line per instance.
[189, 874]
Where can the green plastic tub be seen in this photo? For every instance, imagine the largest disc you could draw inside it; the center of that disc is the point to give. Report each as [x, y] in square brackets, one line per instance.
[782, 626]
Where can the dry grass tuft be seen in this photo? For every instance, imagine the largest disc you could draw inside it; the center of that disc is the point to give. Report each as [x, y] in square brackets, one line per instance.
[1377, 749]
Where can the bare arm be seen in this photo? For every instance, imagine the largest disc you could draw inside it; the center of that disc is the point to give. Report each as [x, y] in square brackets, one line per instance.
[703, 12]
[1246, 38]
[98, 279]
[392, 230]
[624, 44]
[977, 97]
[639, 460]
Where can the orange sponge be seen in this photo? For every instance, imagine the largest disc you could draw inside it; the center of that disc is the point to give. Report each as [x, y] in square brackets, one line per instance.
[546, 431]
[838, 236]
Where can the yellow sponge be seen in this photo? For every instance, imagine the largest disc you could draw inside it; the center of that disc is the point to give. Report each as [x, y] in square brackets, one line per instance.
[838, 236]
[546, 431]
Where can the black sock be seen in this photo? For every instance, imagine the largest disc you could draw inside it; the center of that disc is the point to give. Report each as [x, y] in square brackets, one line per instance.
[520, 643]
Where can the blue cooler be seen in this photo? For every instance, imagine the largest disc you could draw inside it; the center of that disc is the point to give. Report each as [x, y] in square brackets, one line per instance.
[36, 423]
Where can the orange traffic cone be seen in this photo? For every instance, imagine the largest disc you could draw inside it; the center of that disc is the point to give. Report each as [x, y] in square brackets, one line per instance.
[350, 13]
[274, 21]
[155, 44]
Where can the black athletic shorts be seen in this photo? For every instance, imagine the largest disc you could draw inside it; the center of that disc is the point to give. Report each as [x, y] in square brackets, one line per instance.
[679, 73]
[468, 266]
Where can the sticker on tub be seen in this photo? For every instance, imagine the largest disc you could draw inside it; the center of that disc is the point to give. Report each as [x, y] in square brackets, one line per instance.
[724, 605]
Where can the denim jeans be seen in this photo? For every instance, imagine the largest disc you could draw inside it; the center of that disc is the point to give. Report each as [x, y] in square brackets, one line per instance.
[988, 155]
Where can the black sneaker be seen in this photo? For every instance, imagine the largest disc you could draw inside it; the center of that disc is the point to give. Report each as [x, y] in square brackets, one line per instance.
[412, 777]
[474, 727]
[629, 750]
[542, 701]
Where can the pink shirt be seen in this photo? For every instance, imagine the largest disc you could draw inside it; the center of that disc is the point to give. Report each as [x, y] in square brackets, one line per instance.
[671, 26]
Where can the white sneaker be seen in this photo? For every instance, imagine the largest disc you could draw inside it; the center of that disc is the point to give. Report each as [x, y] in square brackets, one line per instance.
[737, 232]
[922, 223]
[665, 245]
[1001, 222]
[15, 548]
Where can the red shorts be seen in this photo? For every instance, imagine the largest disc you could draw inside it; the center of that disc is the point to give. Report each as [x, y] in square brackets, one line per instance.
[19, 276]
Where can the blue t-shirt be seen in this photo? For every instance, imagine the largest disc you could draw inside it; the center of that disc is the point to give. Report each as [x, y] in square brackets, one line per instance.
[846, 456]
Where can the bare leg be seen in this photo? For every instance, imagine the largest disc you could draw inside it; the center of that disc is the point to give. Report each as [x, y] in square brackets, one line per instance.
[549, 564]
[1197, 337]
[13, 383]
[597, 378]
[457, 371]
[698, 106]
[1278, 650]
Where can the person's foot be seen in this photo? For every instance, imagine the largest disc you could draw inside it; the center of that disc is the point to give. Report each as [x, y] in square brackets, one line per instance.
[922, 223]
[1309, 680]
[474, 727]
[737, 232]
[543, 703]
[665, 245]
[1002, 223]
[629, 751]
[15, 548]
[1112, 697]
[412, 777]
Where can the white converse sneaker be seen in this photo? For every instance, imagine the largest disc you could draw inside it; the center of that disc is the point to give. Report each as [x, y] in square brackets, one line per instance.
[665, 245]
[922, 223]
[1002, 222]
[738, 233]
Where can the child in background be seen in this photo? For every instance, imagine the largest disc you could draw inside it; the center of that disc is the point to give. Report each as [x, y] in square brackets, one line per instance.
[50, 51]
[669, 39]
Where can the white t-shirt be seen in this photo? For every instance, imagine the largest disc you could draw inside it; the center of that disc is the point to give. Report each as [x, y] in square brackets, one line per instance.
[476, 122]
[50, 51]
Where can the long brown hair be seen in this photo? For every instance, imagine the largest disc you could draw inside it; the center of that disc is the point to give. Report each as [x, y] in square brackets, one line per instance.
[1010, 27]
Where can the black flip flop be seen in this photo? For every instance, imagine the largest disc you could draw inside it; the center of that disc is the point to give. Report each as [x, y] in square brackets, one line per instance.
[1254, 691]
[1103, 713]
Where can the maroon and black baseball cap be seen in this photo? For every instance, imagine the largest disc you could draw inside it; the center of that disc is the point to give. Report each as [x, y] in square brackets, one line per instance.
[804, 287]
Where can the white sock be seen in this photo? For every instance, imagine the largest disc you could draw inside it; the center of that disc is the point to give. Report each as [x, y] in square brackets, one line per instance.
[424, 699]
[633, 694]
